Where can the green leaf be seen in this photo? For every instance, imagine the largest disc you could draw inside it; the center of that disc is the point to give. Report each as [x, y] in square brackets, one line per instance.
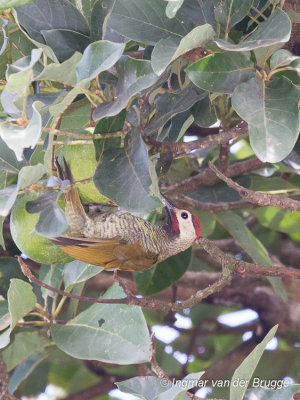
[237, 228]
[229, 12]
[276, 29]
[172, 7]
[7, 199]
[123, 175]
[280, 220]
[52, 276]
[97, 57]
[22, 72]
[64, 72]
[145, 21]
[170, 104]
[19, 77]
[19, 138]
[8, 160]
[150, 387]
[5, 4]
[199, 11]
[220, 192]
[31, 174]
[221, 72]
[65, 42]
[133, 77]
[247, 367]
[27, 176]
[271, 110]
[176, 129]
[78, 119]
[122, 338]
[24, 345]
[10, 269]
[280, 58]
[77, 271]
[4, 315]
[204, 112]
[99, 14]
[52, 222]
[67, 98]
[24, 370]
[145, 387]
[263, 393]
[163, 275]
[235, 225]
[170, 48]
[21, 300]
[53, 14]
[108, 125]
[272, 185]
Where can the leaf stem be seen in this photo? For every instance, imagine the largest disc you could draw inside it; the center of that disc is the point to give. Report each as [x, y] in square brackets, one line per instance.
[179, 74]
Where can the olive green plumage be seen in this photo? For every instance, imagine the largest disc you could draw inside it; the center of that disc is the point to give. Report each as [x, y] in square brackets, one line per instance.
[117, 240]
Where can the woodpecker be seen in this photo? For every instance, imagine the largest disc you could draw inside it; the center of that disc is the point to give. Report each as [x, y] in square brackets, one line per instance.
[121, 240]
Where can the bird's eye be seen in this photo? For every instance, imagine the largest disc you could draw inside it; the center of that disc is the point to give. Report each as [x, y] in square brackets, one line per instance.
[184, 215]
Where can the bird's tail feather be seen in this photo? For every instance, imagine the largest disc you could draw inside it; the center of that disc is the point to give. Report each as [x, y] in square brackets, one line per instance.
[75, 213]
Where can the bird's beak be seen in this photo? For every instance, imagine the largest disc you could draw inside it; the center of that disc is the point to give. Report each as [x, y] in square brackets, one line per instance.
[169, 207]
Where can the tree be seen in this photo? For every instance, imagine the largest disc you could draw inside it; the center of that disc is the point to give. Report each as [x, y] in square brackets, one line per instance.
[118, 88]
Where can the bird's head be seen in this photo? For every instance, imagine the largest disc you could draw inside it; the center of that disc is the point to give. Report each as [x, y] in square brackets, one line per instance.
[182, 222]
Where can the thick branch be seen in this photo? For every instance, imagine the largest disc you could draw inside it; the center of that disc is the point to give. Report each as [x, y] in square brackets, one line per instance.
[224, 156]
[180, 149]
[261, 199]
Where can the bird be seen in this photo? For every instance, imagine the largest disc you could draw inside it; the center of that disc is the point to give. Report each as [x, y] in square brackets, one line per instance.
[120, 240]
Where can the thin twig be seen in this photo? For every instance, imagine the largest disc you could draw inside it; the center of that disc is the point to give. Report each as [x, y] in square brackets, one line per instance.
[85, 136]
[183, 148]
[261, 199]
[207, 177]
[159, 372]
[142, 302]
[212, 207]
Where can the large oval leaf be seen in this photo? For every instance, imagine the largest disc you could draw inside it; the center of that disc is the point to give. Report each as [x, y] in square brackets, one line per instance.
[112, 333]
[170, 48]
[124, 176]
[145, 21]
[271, 110]
[221, 72]
[276, 29]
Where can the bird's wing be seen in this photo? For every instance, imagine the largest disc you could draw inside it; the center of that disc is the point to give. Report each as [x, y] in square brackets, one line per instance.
[115, 253]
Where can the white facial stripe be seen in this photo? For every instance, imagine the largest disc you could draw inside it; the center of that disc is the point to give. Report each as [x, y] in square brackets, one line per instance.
[186, 226]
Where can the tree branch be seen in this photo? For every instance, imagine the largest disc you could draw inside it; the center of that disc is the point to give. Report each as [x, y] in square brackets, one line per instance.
[183, 148]
[207, 177]
[4, 393]
[212, 207]
[152, 303]
[261, 199]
